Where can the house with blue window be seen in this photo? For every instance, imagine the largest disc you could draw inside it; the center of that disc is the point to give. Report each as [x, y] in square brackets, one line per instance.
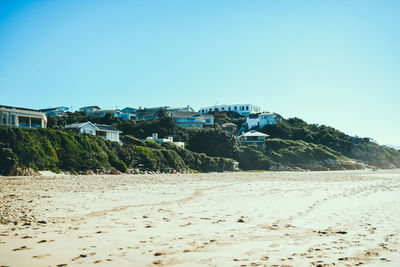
[192, 119]
[22, 117]
[55, 112]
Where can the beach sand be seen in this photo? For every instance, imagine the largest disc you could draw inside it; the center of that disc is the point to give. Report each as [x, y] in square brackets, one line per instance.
[343, 218]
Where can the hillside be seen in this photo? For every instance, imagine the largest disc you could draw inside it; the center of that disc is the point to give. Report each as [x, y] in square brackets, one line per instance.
[361, 149]
[293, 145]
[56, 150]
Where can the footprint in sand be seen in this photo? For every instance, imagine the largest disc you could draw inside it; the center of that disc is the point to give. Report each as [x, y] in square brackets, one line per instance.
[40, 256]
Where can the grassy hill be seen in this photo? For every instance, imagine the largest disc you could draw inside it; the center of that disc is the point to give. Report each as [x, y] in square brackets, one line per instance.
[56, 150]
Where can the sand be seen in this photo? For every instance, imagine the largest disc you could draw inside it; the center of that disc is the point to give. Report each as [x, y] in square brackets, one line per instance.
[338, 218]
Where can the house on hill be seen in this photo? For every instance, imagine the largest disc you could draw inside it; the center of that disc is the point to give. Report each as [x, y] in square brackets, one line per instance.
[253, 137]
[242, 109]
[22, 117]
[128, 113]
[261, 120]
[106, 131]
[192, 119]
[89, 109]
[55, 112]
[155, 138]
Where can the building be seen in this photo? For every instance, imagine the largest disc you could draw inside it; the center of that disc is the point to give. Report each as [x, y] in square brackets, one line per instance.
[55, 112]
[229, 127]
[128, 113]
[252, 137]
[102, 113]
[106, 131]
[261, 120]
[242, 109]
[192, 119]
[155, 138]
[145, 114]
[22, 117]
[181, 109]
[89, 109]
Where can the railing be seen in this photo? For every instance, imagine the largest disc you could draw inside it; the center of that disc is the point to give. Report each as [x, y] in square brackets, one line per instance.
[24, 124]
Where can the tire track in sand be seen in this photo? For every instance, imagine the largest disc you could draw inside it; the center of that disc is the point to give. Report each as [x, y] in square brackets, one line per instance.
[196, 194]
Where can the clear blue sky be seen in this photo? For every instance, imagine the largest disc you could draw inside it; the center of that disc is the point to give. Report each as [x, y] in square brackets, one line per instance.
[328, 62]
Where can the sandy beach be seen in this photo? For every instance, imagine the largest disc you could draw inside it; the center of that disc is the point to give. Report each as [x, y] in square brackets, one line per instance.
[347, 218]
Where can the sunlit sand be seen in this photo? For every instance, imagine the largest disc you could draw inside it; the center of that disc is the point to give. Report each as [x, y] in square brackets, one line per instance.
[218, 219]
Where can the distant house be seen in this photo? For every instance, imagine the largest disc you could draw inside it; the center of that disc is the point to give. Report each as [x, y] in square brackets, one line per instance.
[192, 119]
[146, 114]
[55, 112]
[22, 117]
[128, 113]
[252, 137]
[261, 120]
[180, 109]
[155, 138]
[102, 112]
[89, 109]
[106, 131]
[242, 109]
[229, 127]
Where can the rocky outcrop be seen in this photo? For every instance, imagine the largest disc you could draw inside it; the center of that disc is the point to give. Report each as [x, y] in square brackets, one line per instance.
[16, 171]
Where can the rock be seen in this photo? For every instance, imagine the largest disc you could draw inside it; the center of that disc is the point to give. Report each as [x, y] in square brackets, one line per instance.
[89, 172]
[16, 171]
[115, 172]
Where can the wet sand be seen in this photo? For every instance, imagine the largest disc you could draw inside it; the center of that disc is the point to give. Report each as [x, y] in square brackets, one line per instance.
[347, 218]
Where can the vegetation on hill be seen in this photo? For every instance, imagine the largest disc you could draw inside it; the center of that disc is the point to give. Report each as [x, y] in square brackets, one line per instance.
[56, 150]
[362, 149]
[293, 144]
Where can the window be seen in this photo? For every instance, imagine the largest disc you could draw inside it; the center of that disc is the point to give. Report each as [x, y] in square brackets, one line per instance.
[4, 119]
[12, 119]
[247, 108]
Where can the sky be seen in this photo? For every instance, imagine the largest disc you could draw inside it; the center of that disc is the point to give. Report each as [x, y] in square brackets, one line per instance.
[328, 62]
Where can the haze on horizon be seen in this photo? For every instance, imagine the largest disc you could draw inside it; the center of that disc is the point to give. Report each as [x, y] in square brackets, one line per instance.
[328, 62]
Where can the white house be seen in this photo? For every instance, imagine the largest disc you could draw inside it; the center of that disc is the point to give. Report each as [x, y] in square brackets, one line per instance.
[242, 109]
[106, 131]
[261, 120]
[22, 117]
[252, 137]
[89, 109]
[155, 138]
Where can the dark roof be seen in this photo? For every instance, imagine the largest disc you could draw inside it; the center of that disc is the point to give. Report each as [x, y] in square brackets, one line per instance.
[91, 107]
[141, 113]
[129, 109]
[186, 114]
[51, 109]
[28, 109]
[104, 127]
